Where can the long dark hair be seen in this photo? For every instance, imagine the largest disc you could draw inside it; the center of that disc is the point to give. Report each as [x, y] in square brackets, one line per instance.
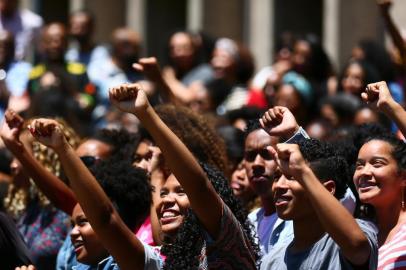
[184, 251]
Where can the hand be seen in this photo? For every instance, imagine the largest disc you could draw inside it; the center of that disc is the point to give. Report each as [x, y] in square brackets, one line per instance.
[11, 129]
[279, 121]
[378, 96]
[48, 132]
[290, 160]
[129, 98]
[156, 158]
[29, 267]
[150, 68]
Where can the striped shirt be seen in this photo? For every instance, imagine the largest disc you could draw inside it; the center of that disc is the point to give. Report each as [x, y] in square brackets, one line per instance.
[392, 255]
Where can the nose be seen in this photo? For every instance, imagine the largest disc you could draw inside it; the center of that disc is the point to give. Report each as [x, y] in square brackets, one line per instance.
[75, 232]
[240, 174]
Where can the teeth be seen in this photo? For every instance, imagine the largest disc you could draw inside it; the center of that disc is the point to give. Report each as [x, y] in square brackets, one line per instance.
[168, 214]
[77, 244]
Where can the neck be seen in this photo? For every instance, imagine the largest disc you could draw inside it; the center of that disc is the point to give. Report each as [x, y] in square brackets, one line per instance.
[268, 204]
[307, 231]
[389, 216]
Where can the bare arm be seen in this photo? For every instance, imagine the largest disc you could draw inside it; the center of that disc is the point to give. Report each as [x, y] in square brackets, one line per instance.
[204, 200]
[150, 68]
[336, 220]
[55, 189]
[394, 33]
[116, 237]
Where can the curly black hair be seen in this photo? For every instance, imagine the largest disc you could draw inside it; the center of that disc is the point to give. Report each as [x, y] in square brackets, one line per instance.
[127, 187]
[252, 125]
[326, 163]
[184, 251]
[122, 142]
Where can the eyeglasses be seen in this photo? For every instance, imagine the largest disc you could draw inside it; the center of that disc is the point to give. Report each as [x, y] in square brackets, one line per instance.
[89, 160]
[251, 155]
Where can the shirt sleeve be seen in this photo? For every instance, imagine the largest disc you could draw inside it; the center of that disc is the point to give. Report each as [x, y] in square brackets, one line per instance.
[300, 135]
[153, 260]
[371, 232]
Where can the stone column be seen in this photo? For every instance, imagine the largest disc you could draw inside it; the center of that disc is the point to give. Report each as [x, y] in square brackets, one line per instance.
[261, 31]
[194, 15]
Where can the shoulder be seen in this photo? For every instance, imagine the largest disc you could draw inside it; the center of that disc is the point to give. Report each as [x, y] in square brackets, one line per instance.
[274, 259]
[31, 19]
[76, 68]
[256, 215]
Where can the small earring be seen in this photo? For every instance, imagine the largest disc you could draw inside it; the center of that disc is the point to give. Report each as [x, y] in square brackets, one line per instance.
[403, 199]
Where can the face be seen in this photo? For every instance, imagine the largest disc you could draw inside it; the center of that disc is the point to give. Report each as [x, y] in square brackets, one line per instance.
[223, 63]
[301, 55]
[143, 155]
[259, 164]
[80, 26]
[353, 79]
[181, 50]
[171, 206]
[291, 202]
[287, 96]
[240, 184]
[54, 42]
[88, 248]
[365, 116]
[94, 148]
[377, 177]
[126, 45]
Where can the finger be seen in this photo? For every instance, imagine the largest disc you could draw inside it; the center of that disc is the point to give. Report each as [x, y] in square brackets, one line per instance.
[138, 66]
[364, 96]
[271, 114]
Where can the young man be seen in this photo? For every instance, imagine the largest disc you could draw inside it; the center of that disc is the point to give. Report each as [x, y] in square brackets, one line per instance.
[276, 124]
[306, 189]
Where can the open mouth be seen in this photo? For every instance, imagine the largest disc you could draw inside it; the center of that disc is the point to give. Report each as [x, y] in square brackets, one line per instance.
[168, 216]
[282, 200]
[364, 186]
[78, 245]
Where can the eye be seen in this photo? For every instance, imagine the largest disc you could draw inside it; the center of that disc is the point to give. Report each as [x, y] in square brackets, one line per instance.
[359, 165]
[180, 191]
[82, 221]
[163, 193]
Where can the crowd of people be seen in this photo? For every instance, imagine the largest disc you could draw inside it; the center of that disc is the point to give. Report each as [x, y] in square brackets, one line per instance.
[111, 159]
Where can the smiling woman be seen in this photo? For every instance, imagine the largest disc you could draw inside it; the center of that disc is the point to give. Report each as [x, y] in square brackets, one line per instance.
[380, 179]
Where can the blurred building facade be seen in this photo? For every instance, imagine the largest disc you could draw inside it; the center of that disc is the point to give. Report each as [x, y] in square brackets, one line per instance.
[257, 23]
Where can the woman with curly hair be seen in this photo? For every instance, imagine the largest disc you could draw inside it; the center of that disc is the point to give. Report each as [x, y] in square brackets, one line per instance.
[42, 224]
[216, 228]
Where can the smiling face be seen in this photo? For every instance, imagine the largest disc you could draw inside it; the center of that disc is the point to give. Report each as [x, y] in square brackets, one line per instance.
[259, 163]
[171, 206]
[377, 176]
[291, 202]
[88, 248]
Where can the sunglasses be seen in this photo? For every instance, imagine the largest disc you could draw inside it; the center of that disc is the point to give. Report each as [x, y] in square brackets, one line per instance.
[89, 160]
[251, 155]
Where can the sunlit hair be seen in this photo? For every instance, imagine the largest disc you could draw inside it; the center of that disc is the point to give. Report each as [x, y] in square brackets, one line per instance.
[18, 198]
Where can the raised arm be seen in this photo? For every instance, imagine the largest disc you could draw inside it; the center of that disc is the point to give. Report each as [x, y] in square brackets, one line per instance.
[379, 97]
[336, 220]
[116, 237]
[394, 33]
[150, 68]
[55, 189]
[204, 200]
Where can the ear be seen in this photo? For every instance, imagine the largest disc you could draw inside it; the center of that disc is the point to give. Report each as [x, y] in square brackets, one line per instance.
[330, 185]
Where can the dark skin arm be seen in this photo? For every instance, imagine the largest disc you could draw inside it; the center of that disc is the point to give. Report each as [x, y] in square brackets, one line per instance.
[55, 189]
